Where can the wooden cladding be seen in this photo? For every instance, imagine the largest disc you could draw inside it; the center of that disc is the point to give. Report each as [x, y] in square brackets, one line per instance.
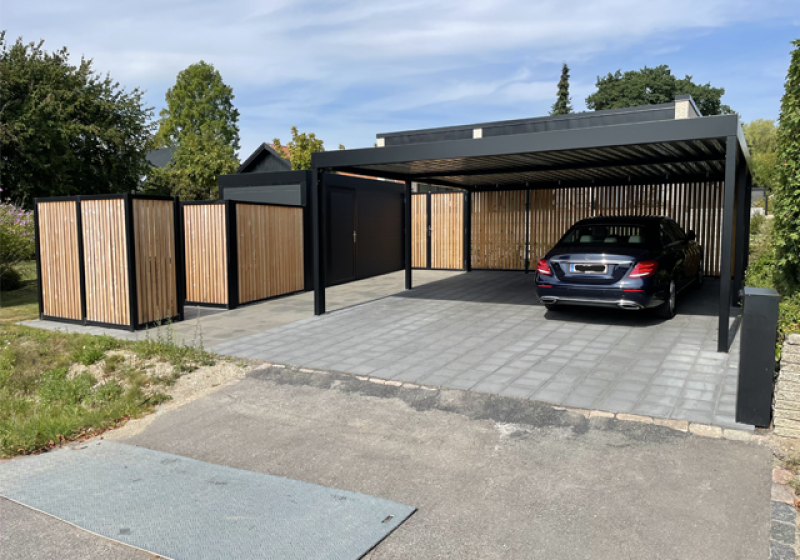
[59, 259]
[156, 256]
[553, 211]
[499, 234]
[105, 254]
[447, 231]
[119, 251]
[269, 245]
[206, 253]
[419, 231]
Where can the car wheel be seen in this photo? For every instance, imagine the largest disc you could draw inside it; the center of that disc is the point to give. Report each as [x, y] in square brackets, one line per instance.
[700, 275]
[667, 309]
[550, 306]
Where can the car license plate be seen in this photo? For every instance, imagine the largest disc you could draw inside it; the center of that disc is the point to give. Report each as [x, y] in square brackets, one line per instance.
[588, 268]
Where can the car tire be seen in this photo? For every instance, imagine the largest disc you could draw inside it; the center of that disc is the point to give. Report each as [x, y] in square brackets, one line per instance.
[551, 306]
[667, 309]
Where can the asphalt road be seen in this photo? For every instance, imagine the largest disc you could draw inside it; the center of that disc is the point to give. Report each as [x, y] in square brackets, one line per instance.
[493, 477]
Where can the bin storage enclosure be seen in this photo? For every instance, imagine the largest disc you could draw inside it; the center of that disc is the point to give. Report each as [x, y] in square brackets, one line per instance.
[238, 252]
[108, 260]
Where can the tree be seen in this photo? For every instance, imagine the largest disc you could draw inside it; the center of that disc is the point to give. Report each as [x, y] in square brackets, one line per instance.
[651, 86]
[562, 105]
[192, 173]
[199, 103]
[762, 140]
[786, 228]
[65, 130]
[301, 147]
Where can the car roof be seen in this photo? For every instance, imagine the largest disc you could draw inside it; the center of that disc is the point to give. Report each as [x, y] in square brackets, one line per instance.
[627, 220]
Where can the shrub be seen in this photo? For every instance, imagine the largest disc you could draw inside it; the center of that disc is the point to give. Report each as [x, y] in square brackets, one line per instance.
[10, 280]
[16, 237]
[756, 222]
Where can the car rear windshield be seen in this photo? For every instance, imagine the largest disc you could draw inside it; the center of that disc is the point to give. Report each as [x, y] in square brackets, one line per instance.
[609, 235]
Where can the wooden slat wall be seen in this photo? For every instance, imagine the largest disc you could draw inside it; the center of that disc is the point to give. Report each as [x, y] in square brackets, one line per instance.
[553, 211]
[105, 254]
[155, 254]
[419, 230]
[205, 250]
[447, 230]
[698, 206]
[270, 250]
[59, 258]
[498, 230]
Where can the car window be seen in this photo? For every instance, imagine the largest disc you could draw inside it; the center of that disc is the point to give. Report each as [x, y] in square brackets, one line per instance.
[677, 232]
[666, 235]
[607, 235]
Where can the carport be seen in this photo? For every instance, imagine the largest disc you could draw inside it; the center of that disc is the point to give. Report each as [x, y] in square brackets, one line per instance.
[658, 159]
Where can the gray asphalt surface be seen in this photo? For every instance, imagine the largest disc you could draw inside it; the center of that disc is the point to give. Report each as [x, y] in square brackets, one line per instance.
[493, 477]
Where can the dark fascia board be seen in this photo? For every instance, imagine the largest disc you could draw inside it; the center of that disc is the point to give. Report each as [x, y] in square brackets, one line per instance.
[551, 118]
[264, 147]
[263, 179]
[335, 180]
[719, 126]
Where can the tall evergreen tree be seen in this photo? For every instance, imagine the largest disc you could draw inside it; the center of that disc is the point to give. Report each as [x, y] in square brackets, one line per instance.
[562, 105]
[787, 190]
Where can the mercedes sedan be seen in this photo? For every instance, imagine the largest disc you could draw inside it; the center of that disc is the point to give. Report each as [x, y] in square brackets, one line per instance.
[629, 262]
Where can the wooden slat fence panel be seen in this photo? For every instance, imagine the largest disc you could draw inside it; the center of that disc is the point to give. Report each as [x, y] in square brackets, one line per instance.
[419, 231]
[59, 258]
[155, 255]
[205, 250]
[447, 231]
[498, 230]
[105, 254]
[553, 211]
[270, 251]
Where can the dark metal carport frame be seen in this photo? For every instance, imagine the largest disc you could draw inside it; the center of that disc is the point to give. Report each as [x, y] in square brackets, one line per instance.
[661, 151]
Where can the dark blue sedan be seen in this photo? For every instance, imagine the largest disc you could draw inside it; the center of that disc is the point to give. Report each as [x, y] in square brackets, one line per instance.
[630, 262]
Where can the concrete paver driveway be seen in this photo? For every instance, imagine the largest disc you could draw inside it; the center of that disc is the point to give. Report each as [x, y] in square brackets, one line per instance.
[486, 331]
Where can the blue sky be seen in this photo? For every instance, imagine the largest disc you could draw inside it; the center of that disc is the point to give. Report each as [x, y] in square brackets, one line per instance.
[347, 70]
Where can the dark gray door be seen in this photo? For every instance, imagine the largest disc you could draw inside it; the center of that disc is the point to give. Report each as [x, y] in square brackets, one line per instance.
[342, 235]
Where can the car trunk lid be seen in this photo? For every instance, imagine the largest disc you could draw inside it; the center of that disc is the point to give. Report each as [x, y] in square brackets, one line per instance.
[583, 265]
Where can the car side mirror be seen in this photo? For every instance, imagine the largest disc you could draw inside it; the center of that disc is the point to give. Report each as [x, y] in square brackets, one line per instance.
[691, 235]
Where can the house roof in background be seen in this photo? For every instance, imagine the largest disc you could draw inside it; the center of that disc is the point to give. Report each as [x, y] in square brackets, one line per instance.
[266, 151]
[160, 157]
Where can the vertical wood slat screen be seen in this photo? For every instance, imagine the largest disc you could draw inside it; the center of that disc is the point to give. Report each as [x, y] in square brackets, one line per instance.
[105, 254]
[498, 230]
[155, 256]
[206, 255]
[270, 250]
[419, 230]
[59, 259]
[553, 211]
[447, 231]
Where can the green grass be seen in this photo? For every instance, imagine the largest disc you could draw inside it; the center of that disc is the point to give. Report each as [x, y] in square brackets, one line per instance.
[43, 405]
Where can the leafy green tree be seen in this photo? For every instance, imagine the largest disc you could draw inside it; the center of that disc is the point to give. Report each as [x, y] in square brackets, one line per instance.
[199, 103]
[192, 173]
[301, 147]
[651, 86]
[786, 227]
[562, 106]
[762, 140]
[65, 130]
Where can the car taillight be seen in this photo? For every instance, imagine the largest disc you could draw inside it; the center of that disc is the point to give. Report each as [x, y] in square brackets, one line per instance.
[543, 268]
[644, 269]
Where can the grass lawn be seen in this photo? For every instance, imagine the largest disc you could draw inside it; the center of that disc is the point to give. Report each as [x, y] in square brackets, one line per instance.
[57, 387]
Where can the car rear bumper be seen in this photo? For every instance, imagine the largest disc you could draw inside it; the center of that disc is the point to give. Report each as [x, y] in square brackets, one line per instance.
[594, 297]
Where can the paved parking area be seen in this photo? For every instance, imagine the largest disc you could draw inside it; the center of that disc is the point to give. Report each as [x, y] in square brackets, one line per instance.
[486, 331]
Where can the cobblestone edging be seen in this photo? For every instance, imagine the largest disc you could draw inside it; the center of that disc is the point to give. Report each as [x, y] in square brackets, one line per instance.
[783, 529]
[787, 390]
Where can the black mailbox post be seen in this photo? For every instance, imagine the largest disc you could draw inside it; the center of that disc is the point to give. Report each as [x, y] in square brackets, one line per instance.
[757, 357]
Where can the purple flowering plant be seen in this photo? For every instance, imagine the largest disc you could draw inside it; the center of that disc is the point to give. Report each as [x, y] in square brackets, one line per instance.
[16, 235]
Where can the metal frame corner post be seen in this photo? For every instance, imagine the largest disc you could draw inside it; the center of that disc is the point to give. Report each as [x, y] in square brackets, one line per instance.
[37, 242]
[81, 257]
[725, 285]
[232, 256]
[407, 232]
[133, 296]
[742, 229]
[317, 216]
[180, 257]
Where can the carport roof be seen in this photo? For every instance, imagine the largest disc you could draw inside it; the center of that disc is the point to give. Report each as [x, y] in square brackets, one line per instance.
[592, 149]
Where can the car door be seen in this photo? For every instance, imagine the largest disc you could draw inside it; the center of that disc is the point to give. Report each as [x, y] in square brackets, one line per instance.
[672, 256]
[688, 250]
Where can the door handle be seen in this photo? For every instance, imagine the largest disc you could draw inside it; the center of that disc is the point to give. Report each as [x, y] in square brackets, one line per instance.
[354, 237]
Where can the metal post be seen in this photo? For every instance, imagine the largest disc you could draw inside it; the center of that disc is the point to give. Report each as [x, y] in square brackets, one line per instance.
[468, 231]
[723, 342]
[38, 240]
[317, 197]
[407, 235]
[428, 230]
[742, 229]
[749, 197]
[527, 230]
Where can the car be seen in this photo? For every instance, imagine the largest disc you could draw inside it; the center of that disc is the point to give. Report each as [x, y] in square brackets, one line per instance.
[627, 262]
